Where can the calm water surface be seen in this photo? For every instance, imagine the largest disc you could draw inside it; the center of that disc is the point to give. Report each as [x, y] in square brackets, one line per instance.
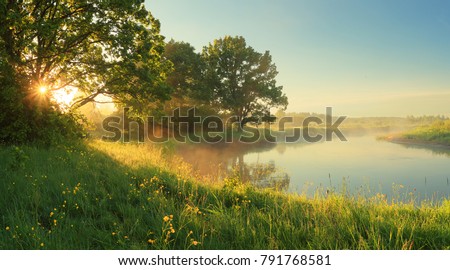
[362, 165]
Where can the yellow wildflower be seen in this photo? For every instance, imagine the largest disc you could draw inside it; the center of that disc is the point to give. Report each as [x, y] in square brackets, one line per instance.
[151, 241]
[7, 228]
[42, 244]
[51, 214]
[166, 219]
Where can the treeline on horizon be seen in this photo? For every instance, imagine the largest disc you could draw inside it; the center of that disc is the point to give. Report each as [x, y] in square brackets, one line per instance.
[367, 122]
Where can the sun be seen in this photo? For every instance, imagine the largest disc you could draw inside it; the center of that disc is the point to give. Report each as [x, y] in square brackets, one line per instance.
[42, 89]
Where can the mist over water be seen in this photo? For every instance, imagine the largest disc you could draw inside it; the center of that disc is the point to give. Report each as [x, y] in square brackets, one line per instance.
[362, 165]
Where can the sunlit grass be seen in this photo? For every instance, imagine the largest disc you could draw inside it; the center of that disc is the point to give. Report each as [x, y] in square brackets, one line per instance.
[102, 195]
[436, 133]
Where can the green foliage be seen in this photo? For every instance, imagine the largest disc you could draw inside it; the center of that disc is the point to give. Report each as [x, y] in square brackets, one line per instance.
[14, 125]
[186, 80]
[19, 158]
[110, 48]
[186, 77]
[437, 132]
[54, 127]
[233, 181]
[239, 80]
[43, 125]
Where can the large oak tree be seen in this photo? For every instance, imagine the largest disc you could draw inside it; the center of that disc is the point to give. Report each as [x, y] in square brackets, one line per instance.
[107, 47]
[241, 81]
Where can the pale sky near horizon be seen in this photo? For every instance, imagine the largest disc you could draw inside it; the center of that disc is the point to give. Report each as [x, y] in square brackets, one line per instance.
[363, 58]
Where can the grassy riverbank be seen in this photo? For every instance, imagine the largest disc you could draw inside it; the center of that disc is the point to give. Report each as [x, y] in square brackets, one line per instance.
[98, 195]
[437, 133]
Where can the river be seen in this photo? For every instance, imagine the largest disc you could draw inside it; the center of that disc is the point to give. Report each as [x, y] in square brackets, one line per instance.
[362, 165]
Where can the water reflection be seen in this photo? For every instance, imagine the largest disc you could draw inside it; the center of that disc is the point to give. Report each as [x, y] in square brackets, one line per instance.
[366, 165]
[438, 150]
[221, 160]
[264, 175]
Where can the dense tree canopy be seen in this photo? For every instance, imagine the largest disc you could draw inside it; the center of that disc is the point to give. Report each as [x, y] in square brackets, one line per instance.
[186, 77]
[187, 80]
[240, 80]
[110, 48]
[114, 48]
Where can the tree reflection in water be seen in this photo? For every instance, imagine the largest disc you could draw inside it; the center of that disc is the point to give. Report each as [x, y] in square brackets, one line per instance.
[216, 162]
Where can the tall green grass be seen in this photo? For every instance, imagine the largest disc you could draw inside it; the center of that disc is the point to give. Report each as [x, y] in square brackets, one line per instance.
[98, 195]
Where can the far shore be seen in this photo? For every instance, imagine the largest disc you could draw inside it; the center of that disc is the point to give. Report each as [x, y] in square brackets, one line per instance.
[400, 140]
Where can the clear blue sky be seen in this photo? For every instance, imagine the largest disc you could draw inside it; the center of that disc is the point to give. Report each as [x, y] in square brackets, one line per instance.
[362, 57]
